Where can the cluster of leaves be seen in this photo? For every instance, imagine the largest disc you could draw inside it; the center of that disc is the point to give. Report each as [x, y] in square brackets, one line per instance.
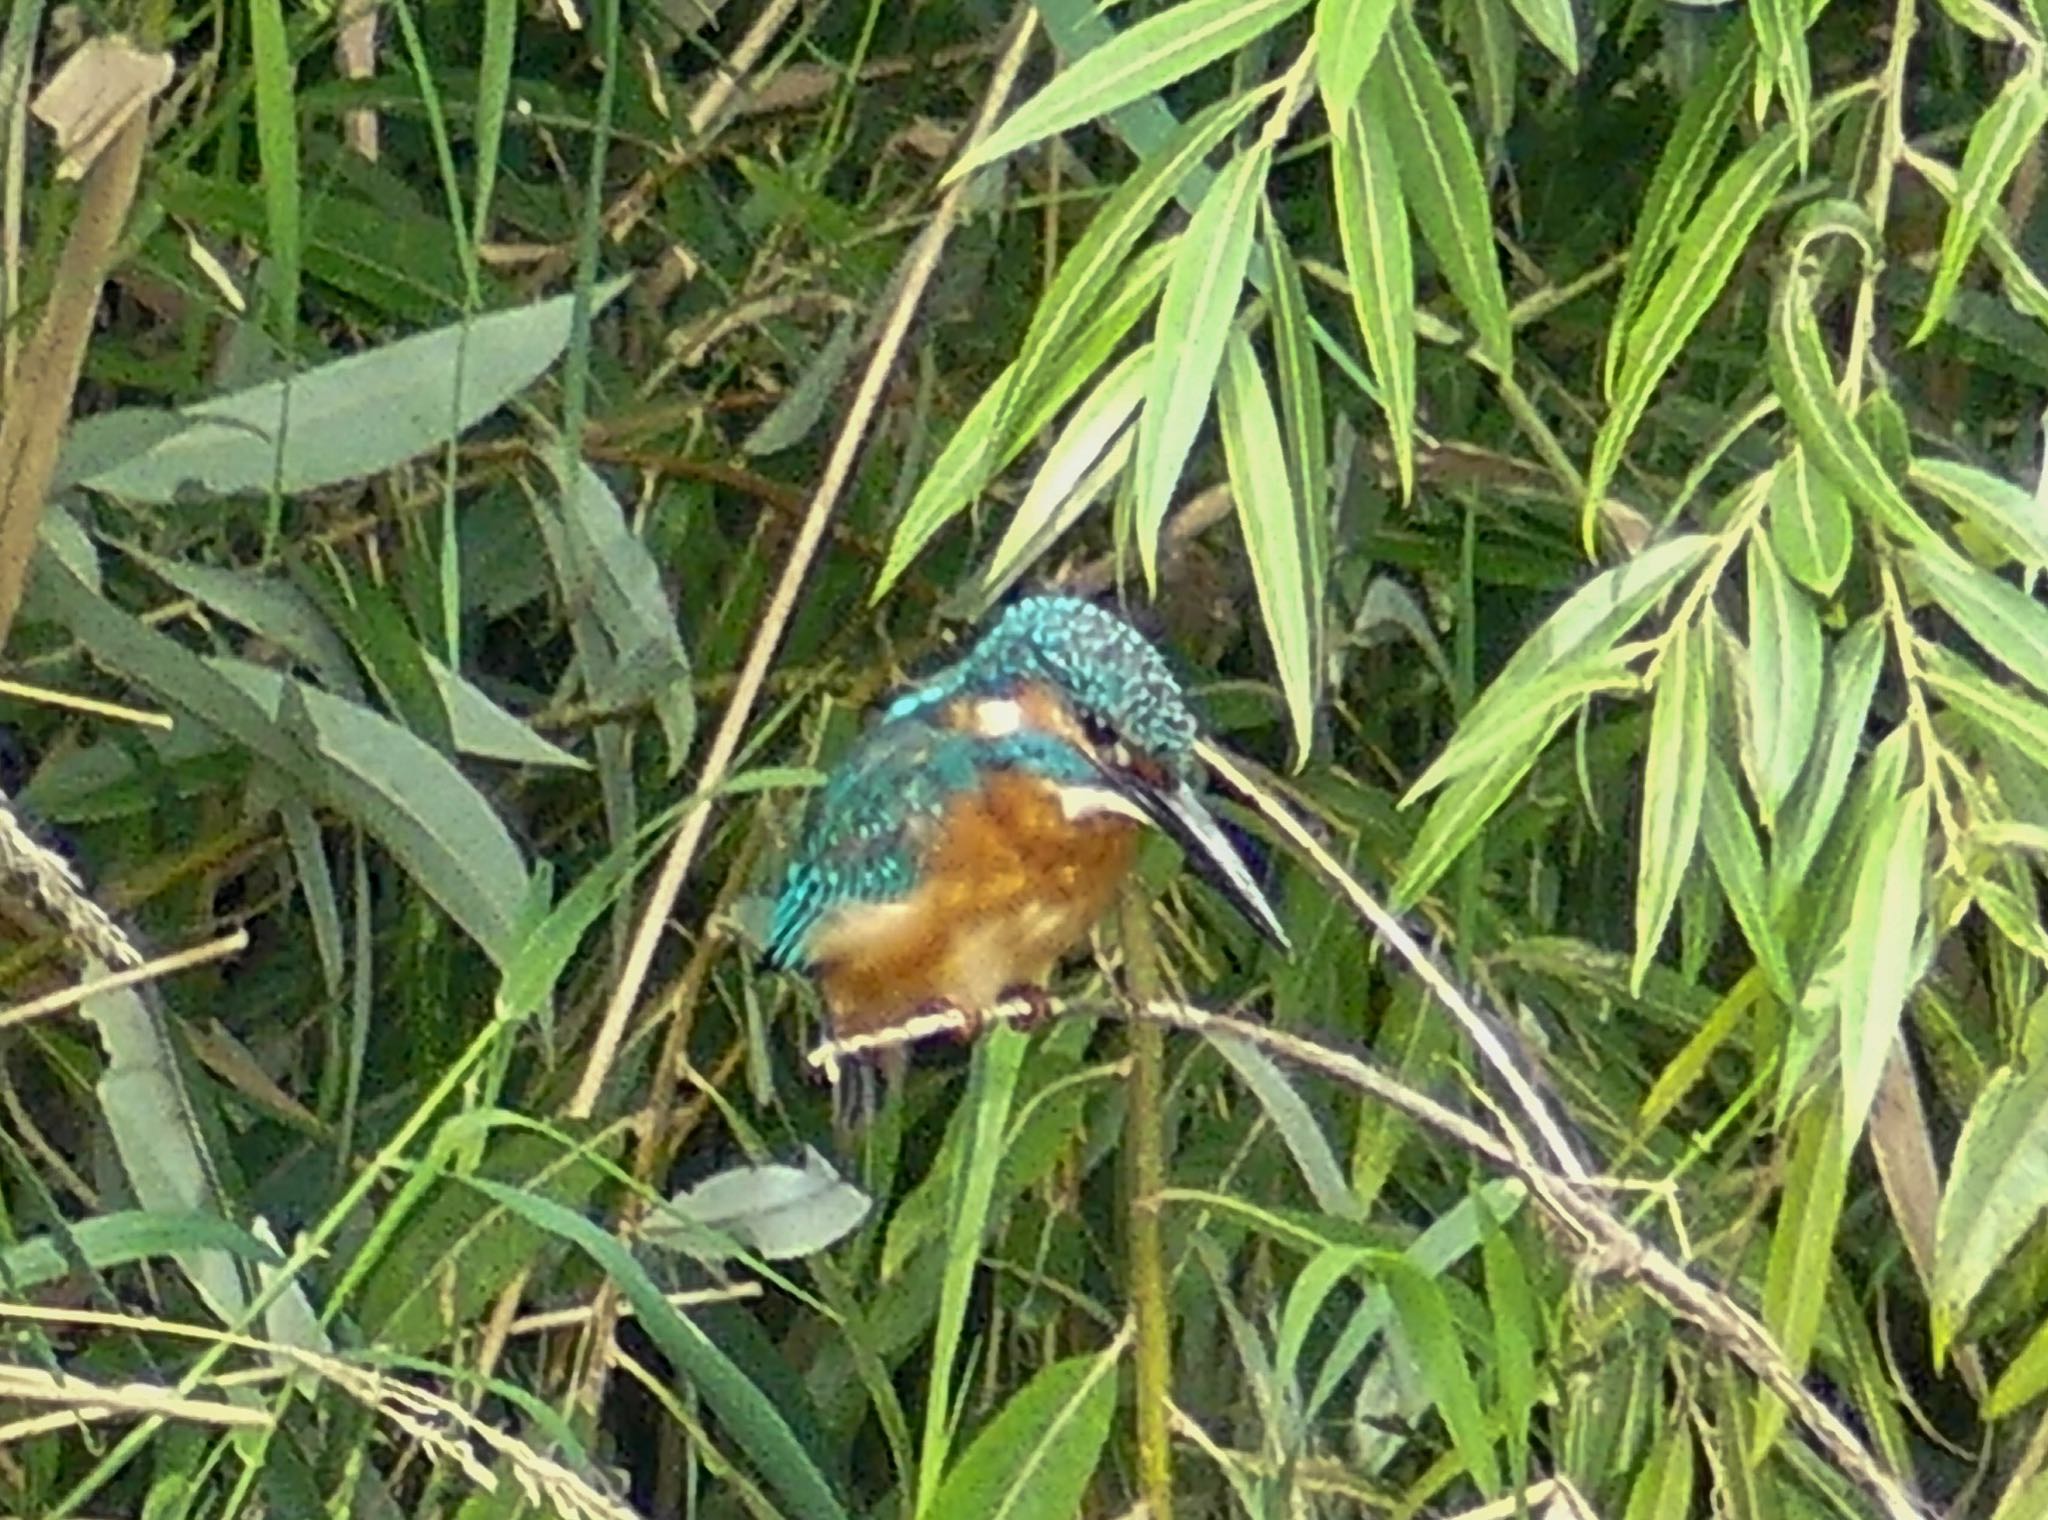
[432, 540]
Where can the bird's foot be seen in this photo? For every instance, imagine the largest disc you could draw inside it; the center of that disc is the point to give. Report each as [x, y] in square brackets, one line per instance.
[1037, 1006]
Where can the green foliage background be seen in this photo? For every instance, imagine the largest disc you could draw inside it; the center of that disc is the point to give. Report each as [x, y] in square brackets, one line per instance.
[1587, 455]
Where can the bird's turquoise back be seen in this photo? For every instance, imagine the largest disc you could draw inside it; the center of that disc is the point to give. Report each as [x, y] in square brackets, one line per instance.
[867, 831]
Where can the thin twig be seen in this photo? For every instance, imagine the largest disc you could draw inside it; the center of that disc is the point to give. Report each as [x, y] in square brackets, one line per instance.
[920, 264]
[148, 971]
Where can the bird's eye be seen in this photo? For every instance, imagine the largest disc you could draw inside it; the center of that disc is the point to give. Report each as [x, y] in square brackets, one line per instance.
[1110, 749]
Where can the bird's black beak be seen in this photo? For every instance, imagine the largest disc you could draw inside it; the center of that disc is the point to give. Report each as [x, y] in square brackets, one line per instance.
[1176, 808]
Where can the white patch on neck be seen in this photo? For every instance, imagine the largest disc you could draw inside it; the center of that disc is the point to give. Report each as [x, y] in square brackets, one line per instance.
[1078, 802]
[996, 717]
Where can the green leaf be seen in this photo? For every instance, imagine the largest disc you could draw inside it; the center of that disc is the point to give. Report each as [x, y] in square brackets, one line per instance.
[2009, 624]
[1008, 416]
[1674, 786]
[1517, 1337]
[1440, 178]
[1555, 26]
[751, 1420]
[1195, 315]
[1034, 1459]
[418, 805]
[1803, 825]
[1805, 383]
[1785, 674]
[1456, 817]
[1994, 506]
[124, 1237]
[1997, 1190]
[1809, 522]
[2007, 131]
[1270, 519]
[1143, 60]
[1739, 865]
[1055, 498]
[1689, 156]
[1297, 1126]
[1348, 37]
[1484, 34]
[1663, 1489]
[1537, 703]
[1989, 706]
[1877, 947]
[2024, 1379]
[1432, 1335]
[775, 1211]
[1802, 1248]
[1372, 225]
[1298, 371]
[991, 1092]
[1782, 65]
[346, 419]
[1700, 265]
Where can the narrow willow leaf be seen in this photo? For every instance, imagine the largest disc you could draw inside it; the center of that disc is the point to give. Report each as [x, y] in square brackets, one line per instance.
[1809, 523]
[1555, 26]
[1270, 519]
[2002, 137]
[1035, 1459]
[759, 1427]
[1785, 672]
[1485, 36]
[1663, 1489]
[1348, 38]
[1802, 1249]
[1983, 19]
[1297, 1124]
[1992, 707]
[1456, 817]
[1372, 224]
[1095, 425]
[2010, 625]
[1589, 622]
[995, 431]
[1877, 947]
[1995, 507]
[1997, 1190]
[1432, 1335]
[1805, 383]
[1112, 233]
[1689, 156]
[1141, 61]
[1782, 65]
[1441, 180]
[1810, 812]
[1195, 315]
[1700, 265]
[1739, 864]
[1674, 787]
[1301, 386]
[1477, 744]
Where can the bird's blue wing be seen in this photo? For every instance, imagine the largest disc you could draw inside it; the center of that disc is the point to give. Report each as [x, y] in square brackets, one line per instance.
[864, 834]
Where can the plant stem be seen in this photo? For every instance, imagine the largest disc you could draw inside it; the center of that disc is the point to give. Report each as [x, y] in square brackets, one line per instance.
[1145, 1146]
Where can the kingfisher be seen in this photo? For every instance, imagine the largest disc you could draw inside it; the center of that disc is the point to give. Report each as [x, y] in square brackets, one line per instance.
[978, 831]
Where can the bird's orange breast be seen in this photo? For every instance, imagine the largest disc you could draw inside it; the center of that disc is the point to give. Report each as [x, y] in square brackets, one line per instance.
[1009, 884]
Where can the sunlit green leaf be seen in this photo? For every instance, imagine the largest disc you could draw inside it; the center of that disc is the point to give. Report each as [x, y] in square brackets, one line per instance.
[1810, 524]
[2007, 131]
[1785, 672]
[1143, 59]
[1270, 518]
[1034, 1460]
[1372, 224]
[1877, 947]
[2010, 625]
[1674, 785]
[1195, 315]
[1441, 182]
[1810, 811]
[1997, 1189]
[1348, 38]
[1739, 864]
[2013, 519]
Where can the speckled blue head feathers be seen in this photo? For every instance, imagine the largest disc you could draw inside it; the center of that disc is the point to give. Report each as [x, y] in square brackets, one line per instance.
[1104, 667]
